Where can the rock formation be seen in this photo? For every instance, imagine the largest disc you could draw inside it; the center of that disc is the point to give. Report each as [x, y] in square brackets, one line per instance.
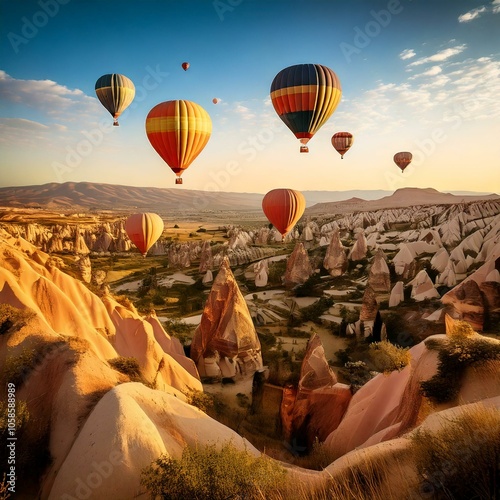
[335, 261]
[317, 406]
[298, 267]
[422, 287]
[397, 294]
[226, 331]
[379, 278]
[360, 248]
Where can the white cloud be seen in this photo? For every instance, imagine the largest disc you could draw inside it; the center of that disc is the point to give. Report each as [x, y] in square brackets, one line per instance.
[244, 112]
[22, 123]
[46, 96]
[495, 6]
[440, 56]
[433, 71]
[471, 15]
[407, 54]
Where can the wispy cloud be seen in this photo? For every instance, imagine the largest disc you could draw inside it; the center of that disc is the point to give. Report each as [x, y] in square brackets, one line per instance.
[471, 15]
[407, 54]
[440, 56]
[495, 6]
[47, 96]
[244, 112]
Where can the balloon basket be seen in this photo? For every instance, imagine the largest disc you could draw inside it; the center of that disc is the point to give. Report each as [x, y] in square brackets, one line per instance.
[116, 124]
[178, 180]
[304, 149]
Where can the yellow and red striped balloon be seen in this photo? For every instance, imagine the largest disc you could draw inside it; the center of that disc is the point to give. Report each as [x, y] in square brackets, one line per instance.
[402, 159]
[144, 229]
[115, 92]
[178, 131]
[283, 208]
[304, 96]
[342, 141]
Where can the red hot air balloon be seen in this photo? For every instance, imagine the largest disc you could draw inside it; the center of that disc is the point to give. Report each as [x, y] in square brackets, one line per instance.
[178, 131]
[216, 100]
[304, 96]
[144, 229]
[402, 159]
[283, 208]
[342, 141]
[185, 66]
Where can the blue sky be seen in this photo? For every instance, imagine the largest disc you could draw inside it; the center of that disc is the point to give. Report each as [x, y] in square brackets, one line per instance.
[416, 75]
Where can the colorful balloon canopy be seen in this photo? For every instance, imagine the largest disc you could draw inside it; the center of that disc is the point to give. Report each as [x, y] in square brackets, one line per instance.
[305, 96]
[283, 208]
[402, 159]
[115, 92]
[144, 229]
[342, 141]
[178, 131]
[185, 66]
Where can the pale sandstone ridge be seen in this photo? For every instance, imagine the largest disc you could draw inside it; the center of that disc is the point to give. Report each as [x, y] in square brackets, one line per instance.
[72, 335]
[225, 343]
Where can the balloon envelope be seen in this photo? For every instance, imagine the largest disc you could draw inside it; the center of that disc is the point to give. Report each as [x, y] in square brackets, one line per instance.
[178, 131]
[215, 100]
[185, 66]
[402, 159]
[144, 229]
[342, 141]
[304, 96]
[283, 208]
[115, 92]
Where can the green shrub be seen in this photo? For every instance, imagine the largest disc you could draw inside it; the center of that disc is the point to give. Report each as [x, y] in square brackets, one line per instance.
[13, 319]
[357, 374]
[460, 460]
[387, 357]
[455, 354]
[128, 366]
[213, 473]
[202, 400]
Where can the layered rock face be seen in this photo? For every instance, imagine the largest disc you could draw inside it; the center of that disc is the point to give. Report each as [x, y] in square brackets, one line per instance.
[317, 406]
[225, 343]
[379, 278]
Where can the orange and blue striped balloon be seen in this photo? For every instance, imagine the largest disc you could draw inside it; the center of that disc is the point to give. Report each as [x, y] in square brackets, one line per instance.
[178, 131]
[115, 92]
[305, 96]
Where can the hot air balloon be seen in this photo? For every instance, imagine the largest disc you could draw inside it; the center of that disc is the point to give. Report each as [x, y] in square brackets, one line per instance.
[305, 96]
[402, 159]
[283, 208]
[185, 66]
[178, 131]
[144, 229]
[216, 100]
[342, 141]
[115, 92]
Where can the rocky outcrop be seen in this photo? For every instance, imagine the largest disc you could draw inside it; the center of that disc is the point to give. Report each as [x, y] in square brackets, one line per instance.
[422, 287]
[369, 306]
[298, 266]
[379, 278]
[397, 294]
[466, 301]
[335, 261]
[360, 248]
[316, 408]
[225, 343]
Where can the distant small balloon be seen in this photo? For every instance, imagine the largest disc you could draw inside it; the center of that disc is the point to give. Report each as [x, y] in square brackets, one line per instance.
[402, 159]
[342, 141]
[144, 229]
[185, 66]
[215, 100]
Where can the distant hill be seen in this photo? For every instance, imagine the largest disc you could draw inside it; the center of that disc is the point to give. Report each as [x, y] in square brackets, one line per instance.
[85, 196]
[405, 197]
